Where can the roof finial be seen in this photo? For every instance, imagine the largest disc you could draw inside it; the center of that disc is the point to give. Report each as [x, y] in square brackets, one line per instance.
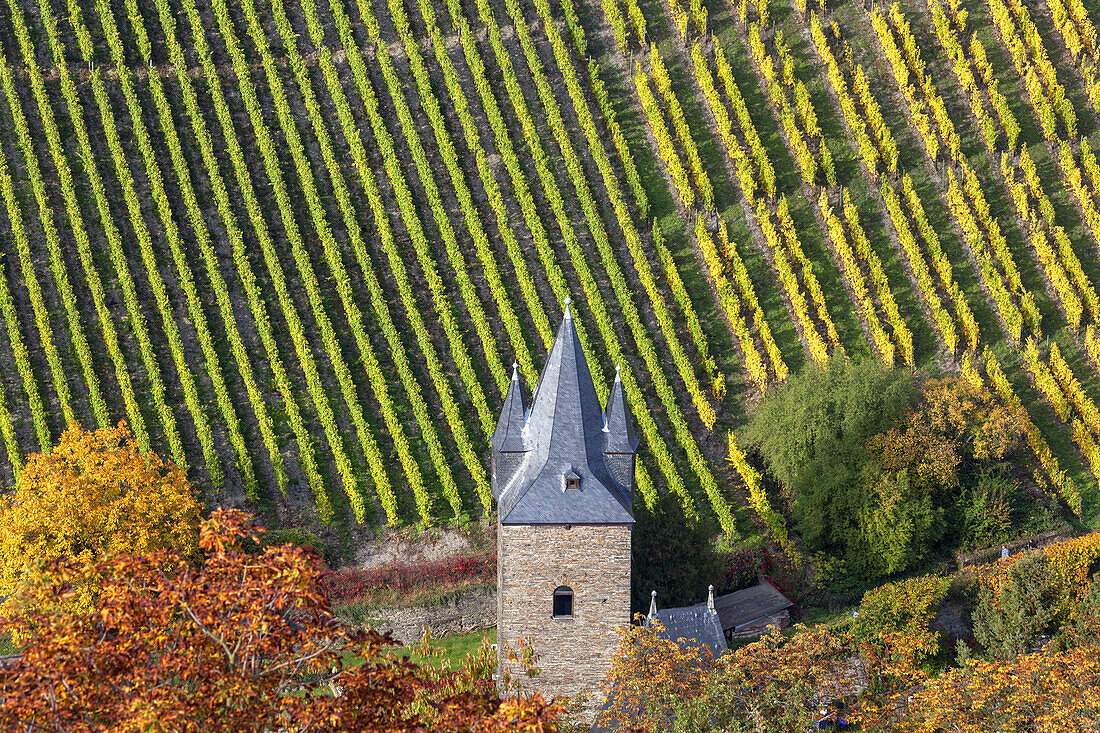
[652, 606]
[568, 315]
[617, 378]
[710, 599]
[515, 371]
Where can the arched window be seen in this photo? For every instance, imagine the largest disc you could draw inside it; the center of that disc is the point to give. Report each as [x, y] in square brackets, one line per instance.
[563, 602]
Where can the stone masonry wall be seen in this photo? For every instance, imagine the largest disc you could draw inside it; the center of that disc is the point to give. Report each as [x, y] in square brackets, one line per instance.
[593, 560]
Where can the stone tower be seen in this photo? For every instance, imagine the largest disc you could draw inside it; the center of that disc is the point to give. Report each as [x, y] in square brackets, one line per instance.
[563, 479]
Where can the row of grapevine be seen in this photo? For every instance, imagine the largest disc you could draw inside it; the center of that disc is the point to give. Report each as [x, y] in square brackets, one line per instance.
[688, 15]
[1056, 381]
[917, 237]
[203, 240]
[791, 101]
[1079, 34]
[455, 259]
[378, 298]
[687, 308]
[1073, 287]
[195, 404]
[11, 320]
[1046, 93]
[271, 165]
[996, 266]
[257, 307]
[1054, 475]
[748, 295]
[375, 374]
[626, 21]
[277, 277]
[34, 291]
[758, 497]
[663, 83]
[927, 112]
[58, 269]
[951, 28]
[786, 254]
[472, 218]
[738, 300]
[394, 254]
[471, 133]
[851, 247]
[1075, 393]
[76, 227]
[11, 443]
[752, 167]
[873, 140]
[667, 148]
[599, 235]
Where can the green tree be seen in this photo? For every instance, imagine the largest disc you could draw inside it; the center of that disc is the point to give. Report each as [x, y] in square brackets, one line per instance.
[1025, 604]
[813, 435]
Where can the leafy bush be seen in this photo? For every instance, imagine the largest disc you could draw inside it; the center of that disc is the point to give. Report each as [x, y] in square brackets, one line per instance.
[299, 537]
[907, 607]
[988, 510]
[813, 432]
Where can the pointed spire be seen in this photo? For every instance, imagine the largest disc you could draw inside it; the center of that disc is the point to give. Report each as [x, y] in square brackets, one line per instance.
[508, 435]
[652, 606]
[565, 417]
[618, 426]
[710, 599]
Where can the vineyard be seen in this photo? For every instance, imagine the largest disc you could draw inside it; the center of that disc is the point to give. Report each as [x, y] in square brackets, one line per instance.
[297, 244]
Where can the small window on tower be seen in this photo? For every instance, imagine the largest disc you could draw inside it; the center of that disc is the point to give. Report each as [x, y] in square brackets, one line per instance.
[563, 602]
[572, 483]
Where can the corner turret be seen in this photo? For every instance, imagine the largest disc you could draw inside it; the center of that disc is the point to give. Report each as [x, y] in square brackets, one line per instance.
[507, 440]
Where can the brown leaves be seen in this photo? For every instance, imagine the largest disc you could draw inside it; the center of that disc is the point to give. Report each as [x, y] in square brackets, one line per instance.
[235, 642]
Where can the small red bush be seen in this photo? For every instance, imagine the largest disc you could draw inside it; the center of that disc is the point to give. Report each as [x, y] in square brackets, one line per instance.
[350, 584]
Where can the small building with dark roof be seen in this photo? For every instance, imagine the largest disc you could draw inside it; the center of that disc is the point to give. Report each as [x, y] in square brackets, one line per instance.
[750, 611]
[691, 625]
[563, 480]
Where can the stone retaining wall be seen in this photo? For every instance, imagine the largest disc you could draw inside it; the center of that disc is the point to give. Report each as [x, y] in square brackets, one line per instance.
[459, 614]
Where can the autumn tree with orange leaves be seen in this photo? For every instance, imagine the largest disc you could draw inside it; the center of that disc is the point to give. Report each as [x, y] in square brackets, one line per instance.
[232, 642]
[95, 494]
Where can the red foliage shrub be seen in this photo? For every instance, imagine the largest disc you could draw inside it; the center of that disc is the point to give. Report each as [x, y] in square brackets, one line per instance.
[350, 584]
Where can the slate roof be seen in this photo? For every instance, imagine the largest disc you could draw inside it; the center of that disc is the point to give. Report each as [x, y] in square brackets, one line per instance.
[693, 624]
[508, 435]
[750, 604]
[690, 625]
[563, 429]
